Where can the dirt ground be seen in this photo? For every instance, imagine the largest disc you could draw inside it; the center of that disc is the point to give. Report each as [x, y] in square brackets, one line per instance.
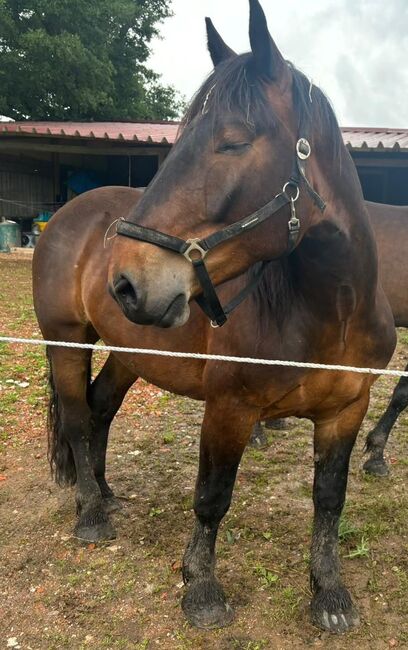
[58, 593]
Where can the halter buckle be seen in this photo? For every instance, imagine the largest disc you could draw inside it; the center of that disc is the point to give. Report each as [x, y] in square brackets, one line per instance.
[303, 149]
[294, 222]
[194, 246]
[294, 225]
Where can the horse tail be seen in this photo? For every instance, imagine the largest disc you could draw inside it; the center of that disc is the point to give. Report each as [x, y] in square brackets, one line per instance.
[60, 454]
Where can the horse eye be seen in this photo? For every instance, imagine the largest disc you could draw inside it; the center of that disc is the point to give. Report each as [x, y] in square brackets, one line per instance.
[233, 147]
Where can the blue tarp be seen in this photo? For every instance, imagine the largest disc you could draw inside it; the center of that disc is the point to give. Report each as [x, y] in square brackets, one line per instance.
[83, 181]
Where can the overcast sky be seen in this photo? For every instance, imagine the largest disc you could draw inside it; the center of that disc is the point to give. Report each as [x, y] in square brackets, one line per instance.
[355, 50]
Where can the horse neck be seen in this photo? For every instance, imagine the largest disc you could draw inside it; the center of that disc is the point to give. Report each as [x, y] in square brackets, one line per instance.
[339, 249]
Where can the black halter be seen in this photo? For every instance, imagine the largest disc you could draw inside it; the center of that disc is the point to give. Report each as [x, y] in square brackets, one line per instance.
[195, 250]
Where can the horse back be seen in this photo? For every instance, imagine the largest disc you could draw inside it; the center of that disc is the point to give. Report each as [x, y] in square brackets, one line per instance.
[66, 249]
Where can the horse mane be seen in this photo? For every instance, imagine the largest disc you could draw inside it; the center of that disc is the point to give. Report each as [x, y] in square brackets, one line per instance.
[275, 293]
[232, 88]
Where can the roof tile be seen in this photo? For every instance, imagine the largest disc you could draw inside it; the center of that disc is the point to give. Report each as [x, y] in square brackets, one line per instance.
[166, 133]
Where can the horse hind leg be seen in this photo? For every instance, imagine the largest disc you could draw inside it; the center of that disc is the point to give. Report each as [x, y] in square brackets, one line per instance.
[69, 435]
[105, 397]
[377, 438]
[259, 439]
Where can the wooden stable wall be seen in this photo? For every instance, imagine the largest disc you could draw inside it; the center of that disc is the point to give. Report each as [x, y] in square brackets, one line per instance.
[34, 171]
[26, 186]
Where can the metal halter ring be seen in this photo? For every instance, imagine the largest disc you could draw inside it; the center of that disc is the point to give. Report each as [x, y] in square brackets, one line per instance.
[287, 194]
[303, 148]
[194, 246]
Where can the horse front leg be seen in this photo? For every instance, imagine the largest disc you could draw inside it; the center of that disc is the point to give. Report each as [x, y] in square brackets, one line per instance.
[332, 606]
[378, 437]
[225, 432]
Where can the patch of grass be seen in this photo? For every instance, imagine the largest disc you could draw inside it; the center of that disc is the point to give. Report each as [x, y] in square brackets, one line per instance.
[347, 530]
[256, 454]
[376, 529]
[186, 502]
[155, 512]
[261, 481]
[142, 645]
[290, 598]
[74, 579]
[403, 336]
[184, 643]
[306, 491]
[361, 550]
[266, 577]
[108, 593]
[57, 640]
[169, 437]
[239, 644]
[111, 642]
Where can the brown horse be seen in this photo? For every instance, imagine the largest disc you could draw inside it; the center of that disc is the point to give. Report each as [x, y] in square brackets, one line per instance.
[390, 225]
[259, 151]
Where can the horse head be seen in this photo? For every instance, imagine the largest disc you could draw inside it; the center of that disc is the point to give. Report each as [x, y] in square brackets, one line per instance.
[238, 154]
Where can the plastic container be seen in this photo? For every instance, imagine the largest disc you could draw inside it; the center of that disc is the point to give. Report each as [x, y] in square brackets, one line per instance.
[10, 235]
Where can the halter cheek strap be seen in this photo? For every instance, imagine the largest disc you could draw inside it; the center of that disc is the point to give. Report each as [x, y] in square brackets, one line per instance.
[195, 250]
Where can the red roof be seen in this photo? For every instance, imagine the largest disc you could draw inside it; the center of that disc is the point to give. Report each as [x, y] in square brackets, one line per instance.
[144, 132]
[374, 138]
[368, 139]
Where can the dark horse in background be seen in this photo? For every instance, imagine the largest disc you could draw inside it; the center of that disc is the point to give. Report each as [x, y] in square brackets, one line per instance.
[390, 225]
[253, 145]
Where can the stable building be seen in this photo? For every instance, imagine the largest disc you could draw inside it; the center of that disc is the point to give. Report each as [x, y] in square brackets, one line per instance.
[45, 164]
[381, 158]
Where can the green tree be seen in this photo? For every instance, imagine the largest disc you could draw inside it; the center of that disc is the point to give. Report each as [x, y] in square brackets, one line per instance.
[82, 60]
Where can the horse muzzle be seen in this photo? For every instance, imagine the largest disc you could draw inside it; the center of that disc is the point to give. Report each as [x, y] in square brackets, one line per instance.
[134, 302]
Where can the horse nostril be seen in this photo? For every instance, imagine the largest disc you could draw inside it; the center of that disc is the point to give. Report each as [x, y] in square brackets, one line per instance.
[125, 290]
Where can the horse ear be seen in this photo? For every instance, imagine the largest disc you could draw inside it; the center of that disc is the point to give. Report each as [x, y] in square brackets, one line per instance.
[269, 61]
[218, 49]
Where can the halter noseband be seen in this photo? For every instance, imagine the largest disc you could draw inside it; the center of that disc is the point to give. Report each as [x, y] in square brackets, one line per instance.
[195, 250]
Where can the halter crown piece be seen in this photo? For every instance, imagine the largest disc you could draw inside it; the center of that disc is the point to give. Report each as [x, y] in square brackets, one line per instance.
[195, 250]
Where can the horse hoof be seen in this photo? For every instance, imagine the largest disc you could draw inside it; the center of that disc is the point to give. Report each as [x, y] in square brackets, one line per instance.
[205, 605]
[333, 611]
[95, 528]
[277, 425]
[376, 467]
[112, 504]
[259, 439]
[99, 533]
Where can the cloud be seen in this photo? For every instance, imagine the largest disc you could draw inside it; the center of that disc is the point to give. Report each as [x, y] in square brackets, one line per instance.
[359, 51]
[355, 50]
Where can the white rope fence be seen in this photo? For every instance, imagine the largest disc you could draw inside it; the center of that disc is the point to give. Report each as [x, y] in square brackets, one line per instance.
[205, 357]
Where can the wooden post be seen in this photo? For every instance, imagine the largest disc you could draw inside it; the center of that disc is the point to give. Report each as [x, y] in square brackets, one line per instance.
[56, 177]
